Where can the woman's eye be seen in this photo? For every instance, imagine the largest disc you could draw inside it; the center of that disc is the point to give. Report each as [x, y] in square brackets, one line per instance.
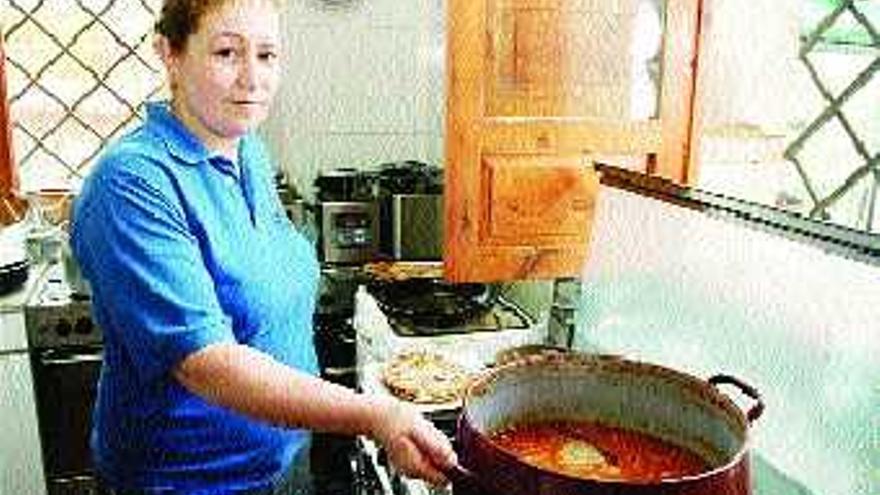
[267, 56]
[224, 52]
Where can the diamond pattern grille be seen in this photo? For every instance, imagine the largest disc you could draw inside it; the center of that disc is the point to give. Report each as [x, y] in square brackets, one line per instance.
[78, 72]
[865, 178]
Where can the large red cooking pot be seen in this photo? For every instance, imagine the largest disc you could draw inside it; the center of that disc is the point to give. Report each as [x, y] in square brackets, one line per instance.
[658, 401]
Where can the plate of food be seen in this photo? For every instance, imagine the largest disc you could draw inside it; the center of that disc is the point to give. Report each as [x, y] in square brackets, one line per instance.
[425, 378]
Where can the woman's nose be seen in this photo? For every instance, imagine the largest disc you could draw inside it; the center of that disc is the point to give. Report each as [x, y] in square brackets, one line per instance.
[247, 73]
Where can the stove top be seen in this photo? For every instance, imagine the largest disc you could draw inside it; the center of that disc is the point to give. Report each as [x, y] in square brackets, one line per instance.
[502, 316]
[57, 317]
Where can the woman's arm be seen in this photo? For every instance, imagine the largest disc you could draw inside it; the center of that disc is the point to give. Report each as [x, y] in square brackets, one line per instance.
[250, 382]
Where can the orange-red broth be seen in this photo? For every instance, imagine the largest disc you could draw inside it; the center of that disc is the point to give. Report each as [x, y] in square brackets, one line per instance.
[596, 451]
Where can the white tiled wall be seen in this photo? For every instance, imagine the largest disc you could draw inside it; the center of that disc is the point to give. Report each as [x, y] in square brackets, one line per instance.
[364, 85]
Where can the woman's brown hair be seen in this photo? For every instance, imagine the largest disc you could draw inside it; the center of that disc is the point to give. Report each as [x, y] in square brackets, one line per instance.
[180, 18]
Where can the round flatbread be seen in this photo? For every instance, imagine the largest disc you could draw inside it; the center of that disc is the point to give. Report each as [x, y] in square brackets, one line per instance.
[425, 378]
[395, 271]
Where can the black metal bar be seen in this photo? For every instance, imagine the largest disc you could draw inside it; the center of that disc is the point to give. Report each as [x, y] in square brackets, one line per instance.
[808, 184]
[39, 144]
[27, 15]
[846, 241]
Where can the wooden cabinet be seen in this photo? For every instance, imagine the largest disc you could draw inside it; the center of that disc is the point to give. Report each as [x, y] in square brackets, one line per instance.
[537, 91]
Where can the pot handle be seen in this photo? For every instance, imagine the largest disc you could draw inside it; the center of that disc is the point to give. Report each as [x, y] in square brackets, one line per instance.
[755, 411]
[462, 476]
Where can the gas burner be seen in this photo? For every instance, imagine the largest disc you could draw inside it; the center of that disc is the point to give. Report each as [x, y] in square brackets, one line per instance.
[502, 316]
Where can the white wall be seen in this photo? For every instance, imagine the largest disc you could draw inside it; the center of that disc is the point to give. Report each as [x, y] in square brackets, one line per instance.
[364, 85]
[706, 295]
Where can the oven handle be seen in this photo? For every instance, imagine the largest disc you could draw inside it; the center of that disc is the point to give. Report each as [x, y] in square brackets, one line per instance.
[72, 359]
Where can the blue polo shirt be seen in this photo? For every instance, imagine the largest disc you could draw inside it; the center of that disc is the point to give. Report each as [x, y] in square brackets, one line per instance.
[184, 248]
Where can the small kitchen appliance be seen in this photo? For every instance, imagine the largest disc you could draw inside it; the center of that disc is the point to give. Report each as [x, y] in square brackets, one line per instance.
[411, 210]
[348, 216]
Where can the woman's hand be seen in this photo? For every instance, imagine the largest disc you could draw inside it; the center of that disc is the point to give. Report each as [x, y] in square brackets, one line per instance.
[415, 447]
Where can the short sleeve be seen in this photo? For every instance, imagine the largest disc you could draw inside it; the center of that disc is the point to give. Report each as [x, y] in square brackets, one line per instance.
[146, 270]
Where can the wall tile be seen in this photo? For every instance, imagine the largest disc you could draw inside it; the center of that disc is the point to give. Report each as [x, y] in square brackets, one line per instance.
[363, 85]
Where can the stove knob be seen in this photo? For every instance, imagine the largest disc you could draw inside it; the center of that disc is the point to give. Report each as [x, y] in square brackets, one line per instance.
[83, 326]
[63, 328]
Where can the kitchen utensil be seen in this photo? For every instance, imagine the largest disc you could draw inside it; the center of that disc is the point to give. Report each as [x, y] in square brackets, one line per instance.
[14, 262]
[651, 399]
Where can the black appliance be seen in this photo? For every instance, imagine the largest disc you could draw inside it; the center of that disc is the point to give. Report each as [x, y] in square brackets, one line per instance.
[65, 354]
[336, 348]
[13, 275]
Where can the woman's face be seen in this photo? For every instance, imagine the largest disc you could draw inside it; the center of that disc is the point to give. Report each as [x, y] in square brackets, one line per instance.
[227, 74]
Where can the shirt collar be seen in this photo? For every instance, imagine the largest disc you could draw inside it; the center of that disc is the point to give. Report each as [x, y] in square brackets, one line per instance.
[181, 142]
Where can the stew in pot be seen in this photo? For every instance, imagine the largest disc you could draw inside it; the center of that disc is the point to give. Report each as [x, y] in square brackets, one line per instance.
[595, 451]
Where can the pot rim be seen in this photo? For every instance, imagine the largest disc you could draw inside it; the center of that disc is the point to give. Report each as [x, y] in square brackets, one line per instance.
[483, 381]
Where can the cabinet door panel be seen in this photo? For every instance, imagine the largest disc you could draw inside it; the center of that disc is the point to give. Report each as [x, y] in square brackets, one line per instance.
[559, 58]
[537, 91]
[532, 200]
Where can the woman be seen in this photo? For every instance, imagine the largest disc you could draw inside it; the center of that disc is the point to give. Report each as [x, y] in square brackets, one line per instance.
[205, 292]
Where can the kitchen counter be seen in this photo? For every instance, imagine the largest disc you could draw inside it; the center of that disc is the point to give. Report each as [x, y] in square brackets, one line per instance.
[13, 337]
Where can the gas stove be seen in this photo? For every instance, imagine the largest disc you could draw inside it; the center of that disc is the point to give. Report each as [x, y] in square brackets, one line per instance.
[56, 316]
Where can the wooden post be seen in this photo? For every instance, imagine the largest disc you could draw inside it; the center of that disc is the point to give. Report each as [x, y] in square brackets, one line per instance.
[11, 207]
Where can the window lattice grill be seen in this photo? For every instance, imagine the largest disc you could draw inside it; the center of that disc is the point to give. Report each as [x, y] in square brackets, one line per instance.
[79, 72]
[823, 201]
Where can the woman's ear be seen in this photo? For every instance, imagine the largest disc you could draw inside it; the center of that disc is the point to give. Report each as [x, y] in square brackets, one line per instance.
[168, 56]
[163, 49]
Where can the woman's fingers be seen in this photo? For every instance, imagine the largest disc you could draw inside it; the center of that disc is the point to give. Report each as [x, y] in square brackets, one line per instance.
[413, 462]
[414, 445]
[434, 445]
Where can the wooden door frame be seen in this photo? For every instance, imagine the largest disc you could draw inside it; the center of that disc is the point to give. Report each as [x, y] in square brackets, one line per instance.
[12, 206]
[678, 159]
[7, 169]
